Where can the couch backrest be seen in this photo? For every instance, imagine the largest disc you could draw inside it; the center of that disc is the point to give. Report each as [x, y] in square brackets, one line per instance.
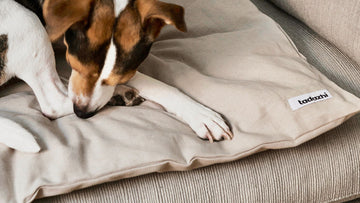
[337, 21]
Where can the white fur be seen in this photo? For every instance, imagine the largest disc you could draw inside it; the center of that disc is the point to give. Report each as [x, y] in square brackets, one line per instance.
[103, 93]
[206, 123]
[80, 100]
[120, 6]
[30, 57]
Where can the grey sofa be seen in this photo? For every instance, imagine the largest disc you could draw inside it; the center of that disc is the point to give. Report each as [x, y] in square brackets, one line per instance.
[326, 169]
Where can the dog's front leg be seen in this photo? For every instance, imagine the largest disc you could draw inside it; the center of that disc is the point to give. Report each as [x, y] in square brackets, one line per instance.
[206, 123]
[42, 77]
[31, 58]
[50, 92]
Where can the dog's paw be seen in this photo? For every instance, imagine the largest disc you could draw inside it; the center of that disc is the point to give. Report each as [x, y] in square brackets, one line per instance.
[206, 123]
[125, 96]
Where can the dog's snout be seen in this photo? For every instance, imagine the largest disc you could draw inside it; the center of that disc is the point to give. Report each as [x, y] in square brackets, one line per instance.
[81, 112]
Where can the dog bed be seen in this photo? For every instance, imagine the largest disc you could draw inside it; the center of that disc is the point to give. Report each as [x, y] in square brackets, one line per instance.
[234, 60]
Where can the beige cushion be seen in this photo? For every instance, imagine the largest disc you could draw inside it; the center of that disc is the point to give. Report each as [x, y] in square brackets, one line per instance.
[337, 21]
[325, 169]
[240, 64]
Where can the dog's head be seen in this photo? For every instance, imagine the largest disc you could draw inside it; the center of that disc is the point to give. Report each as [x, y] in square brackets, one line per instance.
[106, 42]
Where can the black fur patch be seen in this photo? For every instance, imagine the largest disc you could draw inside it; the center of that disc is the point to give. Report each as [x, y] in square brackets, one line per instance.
[3, 49]
[130, 95]
[132, 60]
[138, 101]
[80, 46]
[116, 100]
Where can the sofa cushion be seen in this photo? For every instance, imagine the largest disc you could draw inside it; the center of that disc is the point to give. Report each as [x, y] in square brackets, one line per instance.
[326, 169]
[337, 21]
[240, 64]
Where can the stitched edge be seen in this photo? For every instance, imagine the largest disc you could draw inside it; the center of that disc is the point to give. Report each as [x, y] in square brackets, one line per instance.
[350, 197]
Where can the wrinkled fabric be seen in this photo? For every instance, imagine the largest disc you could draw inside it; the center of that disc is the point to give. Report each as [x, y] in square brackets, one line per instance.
[241, 64]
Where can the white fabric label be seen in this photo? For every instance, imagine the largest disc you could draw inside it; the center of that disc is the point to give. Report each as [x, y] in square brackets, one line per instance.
[310, 98]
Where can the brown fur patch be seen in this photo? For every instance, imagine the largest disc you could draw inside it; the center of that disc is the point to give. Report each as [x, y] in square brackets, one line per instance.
[82, 85]
[60, 15]
[145, 7]
[87, 70]
[3, 50]
[115, 79]
[83, 77]
[102, 23]
[169, 13]
[153, 28]
[128, 29]
[89, 25]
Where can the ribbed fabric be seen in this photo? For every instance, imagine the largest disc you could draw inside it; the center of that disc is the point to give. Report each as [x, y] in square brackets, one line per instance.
[326, 169]
[323, 170]
[337, 66]
[337, 22]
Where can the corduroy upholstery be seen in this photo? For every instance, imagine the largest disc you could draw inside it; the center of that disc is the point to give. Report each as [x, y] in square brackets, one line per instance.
[338, 22]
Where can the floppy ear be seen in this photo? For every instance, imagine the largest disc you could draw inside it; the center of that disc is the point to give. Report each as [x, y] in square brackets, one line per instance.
[60, 15]
[156, 14]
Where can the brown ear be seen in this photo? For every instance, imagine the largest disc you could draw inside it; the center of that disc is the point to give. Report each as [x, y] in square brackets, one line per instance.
[116, 78]
[60, 15]
[155, 14]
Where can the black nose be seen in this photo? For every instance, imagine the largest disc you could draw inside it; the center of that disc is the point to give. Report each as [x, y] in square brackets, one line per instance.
[82, 113]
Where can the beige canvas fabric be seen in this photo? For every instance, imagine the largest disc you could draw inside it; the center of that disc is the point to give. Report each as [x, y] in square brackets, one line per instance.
[338, 21]
[240, 64]
[325, 169]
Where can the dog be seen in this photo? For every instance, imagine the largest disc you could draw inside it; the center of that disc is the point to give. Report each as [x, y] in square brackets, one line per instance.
[106, 41]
